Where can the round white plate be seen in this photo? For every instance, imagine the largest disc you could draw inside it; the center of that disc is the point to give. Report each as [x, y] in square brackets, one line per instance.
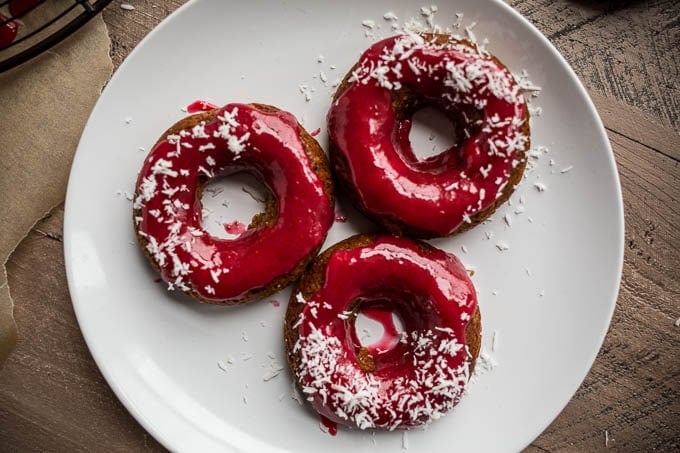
[193, 374]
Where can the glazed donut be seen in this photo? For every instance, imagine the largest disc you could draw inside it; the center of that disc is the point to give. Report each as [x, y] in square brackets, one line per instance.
[408, 382]
[279, 243]
[370, 120]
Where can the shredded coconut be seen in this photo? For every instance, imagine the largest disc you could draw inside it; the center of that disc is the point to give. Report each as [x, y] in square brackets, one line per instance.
[390, 16]
[424, 394]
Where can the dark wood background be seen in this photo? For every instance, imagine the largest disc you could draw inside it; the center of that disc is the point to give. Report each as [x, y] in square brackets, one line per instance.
[53, 398]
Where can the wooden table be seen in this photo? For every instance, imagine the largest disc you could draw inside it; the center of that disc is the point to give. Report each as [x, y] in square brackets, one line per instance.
[52, 396]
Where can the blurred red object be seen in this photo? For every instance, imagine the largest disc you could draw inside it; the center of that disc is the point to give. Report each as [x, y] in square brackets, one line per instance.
[8, 31]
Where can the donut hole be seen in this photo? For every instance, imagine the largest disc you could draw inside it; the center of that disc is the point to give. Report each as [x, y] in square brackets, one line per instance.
[378, 328]
[432, 132]
[435, 135]
[232, 202]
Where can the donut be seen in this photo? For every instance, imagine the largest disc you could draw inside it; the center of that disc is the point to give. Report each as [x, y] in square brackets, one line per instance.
[370, 120]
[278, 244]
[398, 384]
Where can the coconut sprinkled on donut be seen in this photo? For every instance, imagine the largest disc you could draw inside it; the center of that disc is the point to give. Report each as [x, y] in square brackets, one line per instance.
[416, 398]
[466, 78]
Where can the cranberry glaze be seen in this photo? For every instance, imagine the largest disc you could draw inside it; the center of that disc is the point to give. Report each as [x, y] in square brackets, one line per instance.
[167, 208]
[201, 106]
[370, 121]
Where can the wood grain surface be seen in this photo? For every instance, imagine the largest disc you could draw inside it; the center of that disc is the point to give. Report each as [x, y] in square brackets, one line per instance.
[53, 398]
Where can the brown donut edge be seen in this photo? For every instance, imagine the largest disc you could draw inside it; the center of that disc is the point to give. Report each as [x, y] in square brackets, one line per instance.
[402, 100]
[319, 164]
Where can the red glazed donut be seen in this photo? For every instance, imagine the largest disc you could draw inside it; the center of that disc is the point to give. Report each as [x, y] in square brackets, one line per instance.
[370, 120]
[409, 382]
[259, 139]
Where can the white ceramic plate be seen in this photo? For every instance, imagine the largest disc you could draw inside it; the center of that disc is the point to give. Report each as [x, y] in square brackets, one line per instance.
[549, 297]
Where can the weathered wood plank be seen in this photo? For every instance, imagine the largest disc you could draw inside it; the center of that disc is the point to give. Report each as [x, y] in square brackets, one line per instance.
[633, 124]
[627, 50]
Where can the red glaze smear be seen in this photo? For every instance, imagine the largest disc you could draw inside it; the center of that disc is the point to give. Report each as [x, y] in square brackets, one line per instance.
[201, 106]
[315, 132]
[340, 216]
[168, 212]
[329, 426]
[390, 336]
[421, 377]
[437, 194]
[275, 303]
[236, 227]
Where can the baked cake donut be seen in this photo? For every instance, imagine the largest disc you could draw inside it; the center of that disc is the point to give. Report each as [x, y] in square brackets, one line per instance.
[399, 384]
[370, 120]
[279, 243]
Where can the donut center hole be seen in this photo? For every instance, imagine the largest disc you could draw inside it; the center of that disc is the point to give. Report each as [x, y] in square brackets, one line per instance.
[230, 203]
[432, 133]
[378, 329]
